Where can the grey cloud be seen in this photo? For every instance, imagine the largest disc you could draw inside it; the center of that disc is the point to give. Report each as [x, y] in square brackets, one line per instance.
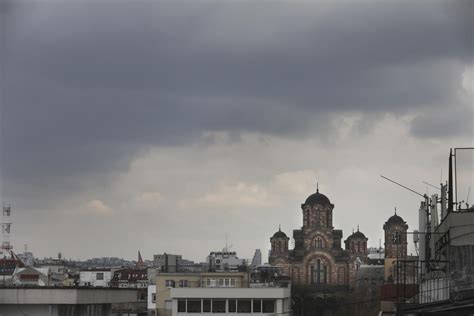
[89, 85]
[449, 122]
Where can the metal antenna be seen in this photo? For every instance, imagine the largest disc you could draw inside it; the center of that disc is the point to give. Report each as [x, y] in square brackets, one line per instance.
[405, 187]
[468, 192]
[226, 242]
[431, 185]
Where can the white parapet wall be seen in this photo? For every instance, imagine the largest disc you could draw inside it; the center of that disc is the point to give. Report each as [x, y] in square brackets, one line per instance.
[62, 301]
[254, 301]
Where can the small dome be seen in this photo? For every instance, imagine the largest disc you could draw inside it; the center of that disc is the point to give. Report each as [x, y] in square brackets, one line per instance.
[395, 219]
[279, 234]
[357, 235]
[317, 198]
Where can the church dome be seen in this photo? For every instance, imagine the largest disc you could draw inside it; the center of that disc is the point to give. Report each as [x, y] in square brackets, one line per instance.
[395, 219]
[317, 198]
[357, 235]
[279, 234]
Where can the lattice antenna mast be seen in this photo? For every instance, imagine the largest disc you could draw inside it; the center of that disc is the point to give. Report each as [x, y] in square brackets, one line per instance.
[6, 247]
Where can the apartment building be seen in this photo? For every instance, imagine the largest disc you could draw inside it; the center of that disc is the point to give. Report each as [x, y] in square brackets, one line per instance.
[242, 301]
[95, 277]
[216, 292]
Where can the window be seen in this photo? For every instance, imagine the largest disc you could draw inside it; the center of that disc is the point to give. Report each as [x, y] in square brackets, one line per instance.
[183, 283]
[268, 306]
[341, 276]
[257, 306]
[169, 305]
[232, 306]
[194, 306]
[232, 282]
[153, 297]
[226, 282]
[206, 306]
[319, 242]
[169, 283]
[397, 237]
[320, 272]
[221, 282]
[208, 282]
[244, 306]
[218, 306]
[99, 276]
[181, 306]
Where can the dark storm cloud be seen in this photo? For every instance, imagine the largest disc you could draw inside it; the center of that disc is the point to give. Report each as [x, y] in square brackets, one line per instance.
[88, 85]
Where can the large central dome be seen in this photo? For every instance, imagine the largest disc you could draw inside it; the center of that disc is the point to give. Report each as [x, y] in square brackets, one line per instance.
[317, 198]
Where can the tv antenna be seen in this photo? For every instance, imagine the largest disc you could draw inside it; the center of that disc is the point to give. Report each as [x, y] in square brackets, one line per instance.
[405, 187]
[467, 198]
[431, 185]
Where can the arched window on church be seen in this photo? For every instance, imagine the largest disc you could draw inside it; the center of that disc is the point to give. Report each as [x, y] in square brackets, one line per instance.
[341, 276]
[319, 243]
[295, 275]
[320, 272]
[352, 246]
[358, 246]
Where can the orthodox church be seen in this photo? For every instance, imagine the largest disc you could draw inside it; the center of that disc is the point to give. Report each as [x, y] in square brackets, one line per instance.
[318, 258]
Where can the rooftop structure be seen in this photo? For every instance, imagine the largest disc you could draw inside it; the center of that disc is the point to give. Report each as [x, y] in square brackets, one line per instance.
[62, 301]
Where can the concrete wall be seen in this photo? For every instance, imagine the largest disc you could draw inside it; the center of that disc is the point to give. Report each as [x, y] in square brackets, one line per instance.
[163, 292]
[55, 310]
[230, 293]
[241, 279]
[90, 277]
[53, 296]
[150, 303]
[22, 310]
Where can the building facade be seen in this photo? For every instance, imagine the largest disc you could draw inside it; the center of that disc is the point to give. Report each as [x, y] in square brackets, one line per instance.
[95, 277]
[217, 292]
[257, 258]
[130, 278]
[224, 261]
[318, 260]
[395, 230]
[167, 263]
[244, 301]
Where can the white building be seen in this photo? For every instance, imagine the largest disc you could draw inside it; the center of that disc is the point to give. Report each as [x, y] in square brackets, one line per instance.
[95, 277]
[31, 276]
[151, 297]
[222, 261]
[27, 258]
[244, 301]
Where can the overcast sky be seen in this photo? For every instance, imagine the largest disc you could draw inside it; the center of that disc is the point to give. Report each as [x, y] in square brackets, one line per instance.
[165, 125]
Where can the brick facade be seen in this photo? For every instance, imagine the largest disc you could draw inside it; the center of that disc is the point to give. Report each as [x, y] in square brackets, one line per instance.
[395, 237]
[317, 258]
